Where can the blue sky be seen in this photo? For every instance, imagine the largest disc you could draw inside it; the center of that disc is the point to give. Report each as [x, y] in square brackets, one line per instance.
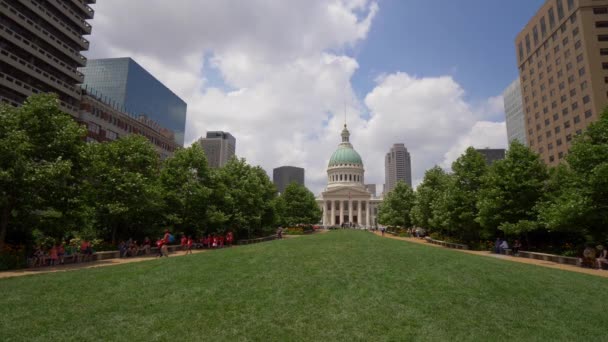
[472, 40]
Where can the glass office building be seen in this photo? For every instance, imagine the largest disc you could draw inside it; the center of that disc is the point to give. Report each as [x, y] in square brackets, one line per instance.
[129, 87]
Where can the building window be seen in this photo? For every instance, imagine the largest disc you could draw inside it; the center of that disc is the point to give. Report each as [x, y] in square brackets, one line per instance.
[555, 117]
[588, 114]
[567, 124]
[560, 155]
[570, 79]
[586, 99]
[602, 38]
[559, 142]
[93, 128]
[560, 9]
[521, 52]
[528, 44]
[579, 132]
[111, 135]
[577, 119]
[575, 32]
[535, 35]
[551, 18]
[605, 66]
[600, 24]
[543, 27]
[553, 104]
[548, 134]
[556, 49]
[572, 92]
[551, 159]
[584, 85]
[565, 111]
[547, 122]
[560, 73]
[569, 137]
[564, 98]
[550, 146]
[568, 66]
[574, 106]
[558, 129]
[600, 10]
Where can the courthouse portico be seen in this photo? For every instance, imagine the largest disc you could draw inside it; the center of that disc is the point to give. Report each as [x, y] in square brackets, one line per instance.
[345, 199]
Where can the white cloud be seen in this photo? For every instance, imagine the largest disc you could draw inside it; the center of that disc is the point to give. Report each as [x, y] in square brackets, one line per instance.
[274, 75]
[483, 134]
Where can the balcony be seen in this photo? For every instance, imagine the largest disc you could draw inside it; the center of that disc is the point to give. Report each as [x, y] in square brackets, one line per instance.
[38, 73]
[89, 12]
[75, 17]
[28, 24]
[37, 8]
[43, 55]
[27, 90]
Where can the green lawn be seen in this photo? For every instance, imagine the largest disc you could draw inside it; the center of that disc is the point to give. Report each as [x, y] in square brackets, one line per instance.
[343, 285]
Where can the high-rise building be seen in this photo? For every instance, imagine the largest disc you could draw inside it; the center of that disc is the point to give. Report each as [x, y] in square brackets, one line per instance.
[371, 188]
[219, 148]
[492, 154]
[562, 55]
[285, 175]
[516, 127]
[40, 49]
[397, 167]
[130, 88]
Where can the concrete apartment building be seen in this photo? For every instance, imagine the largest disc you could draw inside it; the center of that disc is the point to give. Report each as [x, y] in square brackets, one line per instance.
[40, 49]
[132, 89]
[219, 148]
[397, 167]
[514, 110]
[492, 154]
[562, 56]
[285, 175]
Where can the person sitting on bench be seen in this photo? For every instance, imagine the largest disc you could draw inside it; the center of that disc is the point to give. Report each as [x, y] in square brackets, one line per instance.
[602, 257]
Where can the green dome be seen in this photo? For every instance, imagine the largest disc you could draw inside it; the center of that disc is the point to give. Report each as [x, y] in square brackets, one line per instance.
[345, 155]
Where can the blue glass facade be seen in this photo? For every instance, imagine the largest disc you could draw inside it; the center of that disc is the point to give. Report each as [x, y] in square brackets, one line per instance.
[133, 89]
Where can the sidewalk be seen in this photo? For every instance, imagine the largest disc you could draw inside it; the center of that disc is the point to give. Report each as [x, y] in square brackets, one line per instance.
[91, 264]
[542, 263]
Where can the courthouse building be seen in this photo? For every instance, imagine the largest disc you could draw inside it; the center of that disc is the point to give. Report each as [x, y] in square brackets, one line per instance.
[346, 200]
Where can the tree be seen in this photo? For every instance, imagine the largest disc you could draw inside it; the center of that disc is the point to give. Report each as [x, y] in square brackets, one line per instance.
[432, 187]
[243, 199]
[458, 205]
[397, 205]
[298, 205]
[510, 192]
[579, 200]
[39, 145]
[185, 181]
[121, 184]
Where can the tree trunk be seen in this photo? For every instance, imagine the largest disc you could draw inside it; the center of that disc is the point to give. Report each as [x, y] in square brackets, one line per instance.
[4, 217]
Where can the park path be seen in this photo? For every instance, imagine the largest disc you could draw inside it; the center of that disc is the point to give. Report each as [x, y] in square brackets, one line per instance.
[542, 263]
[84, 265]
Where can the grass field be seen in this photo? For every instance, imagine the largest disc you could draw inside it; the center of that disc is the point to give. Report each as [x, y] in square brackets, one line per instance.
[345, 285]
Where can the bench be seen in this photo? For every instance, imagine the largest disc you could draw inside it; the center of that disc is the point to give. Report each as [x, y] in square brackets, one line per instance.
[446, 244]
[551, 257]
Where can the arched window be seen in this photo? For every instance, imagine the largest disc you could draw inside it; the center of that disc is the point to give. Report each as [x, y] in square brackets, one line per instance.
[350, 178]
[340, 177]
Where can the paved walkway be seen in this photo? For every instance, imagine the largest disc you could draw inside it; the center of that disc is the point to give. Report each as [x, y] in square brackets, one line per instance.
[91, 264]
[543, 263]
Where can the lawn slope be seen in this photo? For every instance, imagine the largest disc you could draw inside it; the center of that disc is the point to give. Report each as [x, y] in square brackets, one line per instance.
[345, 285]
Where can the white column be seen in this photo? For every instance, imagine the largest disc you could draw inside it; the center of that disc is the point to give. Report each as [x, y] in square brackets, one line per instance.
[350, 211]
[333, 213]
[324, 211]
[341, 212]
[367, 213]
[359, 218]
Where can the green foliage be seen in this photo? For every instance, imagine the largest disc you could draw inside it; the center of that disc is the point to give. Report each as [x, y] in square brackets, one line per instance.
[432, 187]
[511, 189]
[243, 200]
[579, 201]
[39, 155]
[121, 185]
[456, 209]
[397, 205]
[297, 205]
[186, 190]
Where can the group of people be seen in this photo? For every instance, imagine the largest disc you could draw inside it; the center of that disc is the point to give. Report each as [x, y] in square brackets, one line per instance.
[131, 248]
[501, 246]
[595, 257]
[187, 243]
[56, 254]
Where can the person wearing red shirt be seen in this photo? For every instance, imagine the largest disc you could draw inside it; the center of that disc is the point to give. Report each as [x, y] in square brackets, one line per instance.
[189, 243]
[229, 238]
[221, 241]
[209, 241]
[184, 242]
[160, 243]
[214, 241]
[166, 237]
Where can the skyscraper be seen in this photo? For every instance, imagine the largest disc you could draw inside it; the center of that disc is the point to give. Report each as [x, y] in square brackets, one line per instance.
[397, 167]
[219, 147]
[285, 175]
[563, 68]
[492, 154]
[40, 49]
[129, 87]
[516, 127]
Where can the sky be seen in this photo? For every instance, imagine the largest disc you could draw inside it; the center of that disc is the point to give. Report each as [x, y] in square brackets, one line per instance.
[282, 76]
